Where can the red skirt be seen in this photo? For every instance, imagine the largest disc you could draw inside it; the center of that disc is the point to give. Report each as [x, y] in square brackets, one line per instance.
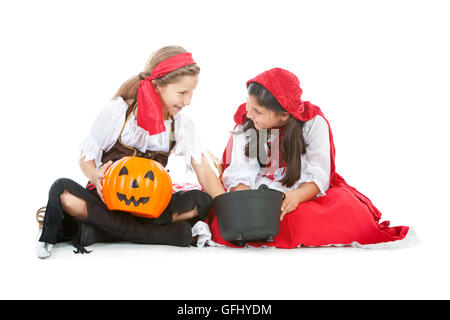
[339, 218]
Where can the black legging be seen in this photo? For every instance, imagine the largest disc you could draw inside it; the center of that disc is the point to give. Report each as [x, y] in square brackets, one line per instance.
[59, 226]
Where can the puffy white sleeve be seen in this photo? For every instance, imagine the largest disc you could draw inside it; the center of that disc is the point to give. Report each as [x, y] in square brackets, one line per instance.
[104, 131]
[316, 163]
[188, 141]
[241, 169]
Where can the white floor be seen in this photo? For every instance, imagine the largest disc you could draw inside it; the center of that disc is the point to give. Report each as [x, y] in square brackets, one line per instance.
[131, 271]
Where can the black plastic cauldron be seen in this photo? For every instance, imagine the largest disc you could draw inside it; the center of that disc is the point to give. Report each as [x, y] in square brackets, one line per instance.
[249, 215]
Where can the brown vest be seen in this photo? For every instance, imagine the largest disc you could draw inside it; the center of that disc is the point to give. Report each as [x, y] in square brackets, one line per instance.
[120, 150]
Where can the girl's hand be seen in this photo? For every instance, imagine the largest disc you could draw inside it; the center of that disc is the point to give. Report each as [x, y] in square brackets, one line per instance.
[290, 203]
[216, 163]
[98, 176]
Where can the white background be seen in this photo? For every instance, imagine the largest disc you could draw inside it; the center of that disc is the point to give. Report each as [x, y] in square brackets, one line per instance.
[379, 70]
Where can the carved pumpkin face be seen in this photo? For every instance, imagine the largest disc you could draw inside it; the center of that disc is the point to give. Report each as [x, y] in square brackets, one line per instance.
[137, 185]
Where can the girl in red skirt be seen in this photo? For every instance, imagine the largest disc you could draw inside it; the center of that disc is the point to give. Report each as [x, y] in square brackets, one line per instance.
[287, 144]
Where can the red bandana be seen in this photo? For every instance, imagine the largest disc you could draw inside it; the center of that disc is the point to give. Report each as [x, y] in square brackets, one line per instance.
[149, 112]
[285, 87]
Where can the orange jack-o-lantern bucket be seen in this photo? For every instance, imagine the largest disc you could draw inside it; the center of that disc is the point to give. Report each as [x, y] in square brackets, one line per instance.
[137, 185]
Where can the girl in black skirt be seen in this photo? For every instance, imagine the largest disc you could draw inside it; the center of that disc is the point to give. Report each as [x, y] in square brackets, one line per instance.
[144, 120]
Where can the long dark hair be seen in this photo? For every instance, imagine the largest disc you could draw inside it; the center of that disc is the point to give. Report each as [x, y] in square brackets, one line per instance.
[293, 145]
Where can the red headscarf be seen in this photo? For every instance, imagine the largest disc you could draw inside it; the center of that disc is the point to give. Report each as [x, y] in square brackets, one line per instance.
[285, 87]
[149, 113]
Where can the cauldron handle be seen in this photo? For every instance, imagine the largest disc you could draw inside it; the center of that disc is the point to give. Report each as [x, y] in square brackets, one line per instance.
[263, 187]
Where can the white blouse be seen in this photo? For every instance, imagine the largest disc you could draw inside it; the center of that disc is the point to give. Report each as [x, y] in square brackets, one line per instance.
[315, 162]
[106, 129]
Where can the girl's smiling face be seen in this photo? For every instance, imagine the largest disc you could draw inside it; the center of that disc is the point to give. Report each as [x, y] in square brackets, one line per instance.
[175, 96]
[264, 118]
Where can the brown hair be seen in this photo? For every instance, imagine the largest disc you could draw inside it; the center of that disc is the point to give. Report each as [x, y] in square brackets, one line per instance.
[128, 90]
[293, 145]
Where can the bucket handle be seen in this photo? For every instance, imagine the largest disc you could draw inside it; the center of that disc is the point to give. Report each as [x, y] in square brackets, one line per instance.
[264, 187]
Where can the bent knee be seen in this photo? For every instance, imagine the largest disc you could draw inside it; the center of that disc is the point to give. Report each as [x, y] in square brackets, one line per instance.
[60, 185]
[73, 205]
